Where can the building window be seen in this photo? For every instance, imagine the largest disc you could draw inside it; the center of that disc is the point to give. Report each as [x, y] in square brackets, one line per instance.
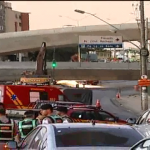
[1, 7]
[20, 24]
[19, 16]
[1, 27]
[16, 26]
[16, 16]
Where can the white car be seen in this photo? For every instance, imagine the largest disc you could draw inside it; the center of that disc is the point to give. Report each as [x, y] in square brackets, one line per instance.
[81, 136]
[142, 145]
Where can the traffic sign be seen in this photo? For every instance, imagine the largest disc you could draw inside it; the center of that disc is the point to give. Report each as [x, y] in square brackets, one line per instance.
[144, 77]
[144, 52]
[144, 82]
[100, 42]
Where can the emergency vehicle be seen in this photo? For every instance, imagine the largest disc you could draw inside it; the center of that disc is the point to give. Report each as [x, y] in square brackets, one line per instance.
[21, 96]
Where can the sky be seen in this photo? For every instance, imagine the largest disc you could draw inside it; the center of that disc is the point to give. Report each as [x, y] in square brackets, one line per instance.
[46, 14]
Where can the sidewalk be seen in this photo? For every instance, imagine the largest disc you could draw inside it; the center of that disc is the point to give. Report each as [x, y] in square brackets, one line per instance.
[131, 103]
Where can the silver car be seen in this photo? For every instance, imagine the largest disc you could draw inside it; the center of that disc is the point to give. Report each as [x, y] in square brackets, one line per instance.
[81, 136]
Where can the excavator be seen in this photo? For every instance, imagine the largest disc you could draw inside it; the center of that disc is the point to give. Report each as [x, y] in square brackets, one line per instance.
[40, 76]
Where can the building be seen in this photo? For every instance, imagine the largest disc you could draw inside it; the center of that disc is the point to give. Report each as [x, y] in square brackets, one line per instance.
[13, 21]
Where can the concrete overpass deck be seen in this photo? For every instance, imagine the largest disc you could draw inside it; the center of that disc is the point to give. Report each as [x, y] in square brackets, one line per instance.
[31, 40]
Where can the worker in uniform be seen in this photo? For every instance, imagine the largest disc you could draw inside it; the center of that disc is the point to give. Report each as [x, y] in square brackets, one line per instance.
[8, 128]
[27, 124]
[50, 117]
[40, 117]
[62, 111]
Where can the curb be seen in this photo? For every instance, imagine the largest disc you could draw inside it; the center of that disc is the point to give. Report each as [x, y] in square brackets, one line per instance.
[118, 104]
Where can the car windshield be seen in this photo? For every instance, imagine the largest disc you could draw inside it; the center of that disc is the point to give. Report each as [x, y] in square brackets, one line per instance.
[115, 137]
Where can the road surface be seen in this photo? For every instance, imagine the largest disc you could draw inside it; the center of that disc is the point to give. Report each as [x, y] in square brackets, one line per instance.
[105, 96]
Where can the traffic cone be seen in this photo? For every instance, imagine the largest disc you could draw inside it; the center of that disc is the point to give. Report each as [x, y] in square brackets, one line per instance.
[118, 95]
[136, 87]
[98, 105]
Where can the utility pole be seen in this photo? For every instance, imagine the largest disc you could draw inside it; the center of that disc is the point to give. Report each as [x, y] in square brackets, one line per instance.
[146, 33]
[54, 64]
[143, 55]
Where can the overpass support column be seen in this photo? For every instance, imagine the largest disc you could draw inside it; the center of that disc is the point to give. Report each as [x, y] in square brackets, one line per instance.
[114, 53]
[20, 57]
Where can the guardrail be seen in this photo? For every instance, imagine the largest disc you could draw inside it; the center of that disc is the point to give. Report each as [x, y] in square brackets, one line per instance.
[74, 65]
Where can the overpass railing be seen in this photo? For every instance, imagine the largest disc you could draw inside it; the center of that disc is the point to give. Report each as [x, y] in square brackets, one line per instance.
[74, 65]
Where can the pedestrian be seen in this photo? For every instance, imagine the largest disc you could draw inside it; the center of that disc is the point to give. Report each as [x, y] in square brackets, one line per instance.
[47, 111]
[8, 128]
[28, 124]
[62, 111]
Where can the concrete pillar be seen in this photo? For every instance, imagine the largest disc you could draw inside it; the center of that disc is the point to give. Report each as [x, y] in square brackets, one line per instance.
[114, 53]
[1, 58]
[20, 57]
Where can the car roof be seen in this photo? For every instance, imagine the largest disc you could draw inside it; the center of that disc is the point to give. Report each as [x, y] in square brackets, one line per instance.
[89, 125]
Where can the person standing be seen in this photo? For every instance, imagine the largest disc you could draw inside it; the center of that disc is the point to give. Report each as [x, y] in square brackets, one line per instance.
[28, 124]
[62, 111]
[8, 128]
[47, 111]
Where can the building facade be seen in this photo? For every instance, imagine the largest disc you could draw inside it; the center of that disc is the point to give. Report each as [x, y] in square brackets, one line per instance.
[13, 21]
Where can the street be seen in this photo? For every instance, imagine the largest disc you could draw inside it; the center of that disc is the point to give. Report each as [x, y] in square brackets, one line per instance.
[105, 96]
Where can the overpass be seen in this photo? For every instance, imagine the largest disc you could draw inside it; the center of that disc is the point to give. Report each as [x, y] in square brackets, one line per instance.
[76, 71]
[24, 41]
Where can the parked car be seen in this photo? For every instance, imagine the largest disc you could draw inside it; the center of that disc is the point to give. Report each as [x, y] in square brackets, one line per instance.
[73, 136]
[143, 119]
[142, 145]
[86, 113]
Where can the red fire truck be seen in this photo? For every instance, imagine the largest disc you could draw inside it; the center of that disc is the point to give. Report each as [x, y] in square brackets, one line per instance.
[20, 96]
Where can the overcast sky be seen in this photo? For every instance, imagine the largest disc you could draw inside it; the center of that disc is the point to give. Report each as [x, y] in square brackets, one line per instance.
[45, 14]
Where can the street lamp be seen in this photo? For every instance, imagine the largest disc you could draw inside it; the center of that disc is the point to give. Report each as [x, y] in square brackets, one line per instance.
[116, 29]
